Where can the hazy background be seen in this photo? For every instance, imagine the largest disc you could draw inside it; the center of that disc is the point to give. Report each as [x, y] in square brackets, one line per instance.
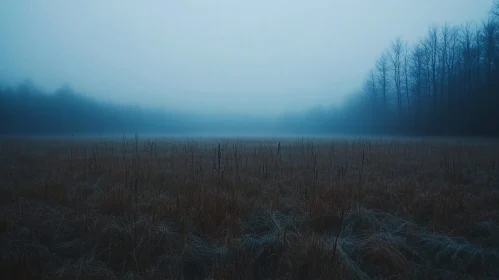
[258, 57]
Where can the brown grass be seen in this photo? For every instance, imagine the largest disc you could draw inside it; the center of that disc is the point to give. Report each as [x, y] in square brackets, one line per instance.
[248, 209]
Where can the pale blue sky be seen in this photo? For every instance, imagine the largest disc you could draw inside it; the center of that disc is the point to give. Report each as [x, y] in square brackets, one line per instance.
[258, 56]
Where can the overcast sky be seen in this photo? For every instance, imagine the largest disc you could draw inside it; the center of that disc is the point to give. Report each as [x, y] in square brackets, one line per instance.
[255, 56]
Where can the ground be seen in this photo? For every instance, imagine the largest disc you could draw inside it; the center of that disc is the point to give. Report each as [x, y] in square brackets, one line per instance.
[153, 208]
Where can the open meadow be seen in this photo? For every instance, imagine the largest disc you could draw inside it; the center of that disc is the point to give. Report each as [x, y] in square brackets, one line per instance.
[248, 208]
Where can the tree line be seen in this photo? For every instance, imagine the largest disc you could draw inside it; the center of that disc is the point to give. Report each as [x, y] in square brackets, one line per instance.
[447, 83]
[26, 109]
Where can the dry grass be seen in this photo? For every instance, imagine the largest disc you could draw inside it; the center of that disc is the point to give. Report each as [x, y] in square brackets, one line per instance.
[248, 209]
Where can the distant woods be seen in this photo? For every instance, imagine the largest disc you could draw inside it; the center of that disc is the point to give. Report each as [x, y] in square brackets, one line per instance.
[27, 110]
[445, 84]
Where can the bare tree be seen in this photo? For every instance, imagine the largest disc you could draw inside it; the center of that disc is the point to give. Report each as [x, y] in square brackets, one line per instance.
[406, 74]
[467, 46]
[477, 59]
[452, 57]
[417, 69]
[489, 44]
[382, 68]
[443, 52]
[431, 45]
[371, 89]
[395, 56]
[427, 75]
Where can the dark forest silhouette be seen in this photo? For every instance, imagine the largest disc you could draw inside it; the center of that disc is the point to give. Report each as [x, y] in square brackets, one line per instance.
[447, 83]
[26, 109]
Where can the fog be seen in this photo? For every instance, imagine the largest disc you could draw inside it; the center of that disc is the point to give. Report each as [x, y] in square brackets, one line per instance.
[260, 58]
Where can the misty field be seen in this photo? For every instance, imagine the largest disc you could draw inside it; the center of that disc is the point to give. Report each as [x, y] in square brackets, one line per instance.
[157, 208]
